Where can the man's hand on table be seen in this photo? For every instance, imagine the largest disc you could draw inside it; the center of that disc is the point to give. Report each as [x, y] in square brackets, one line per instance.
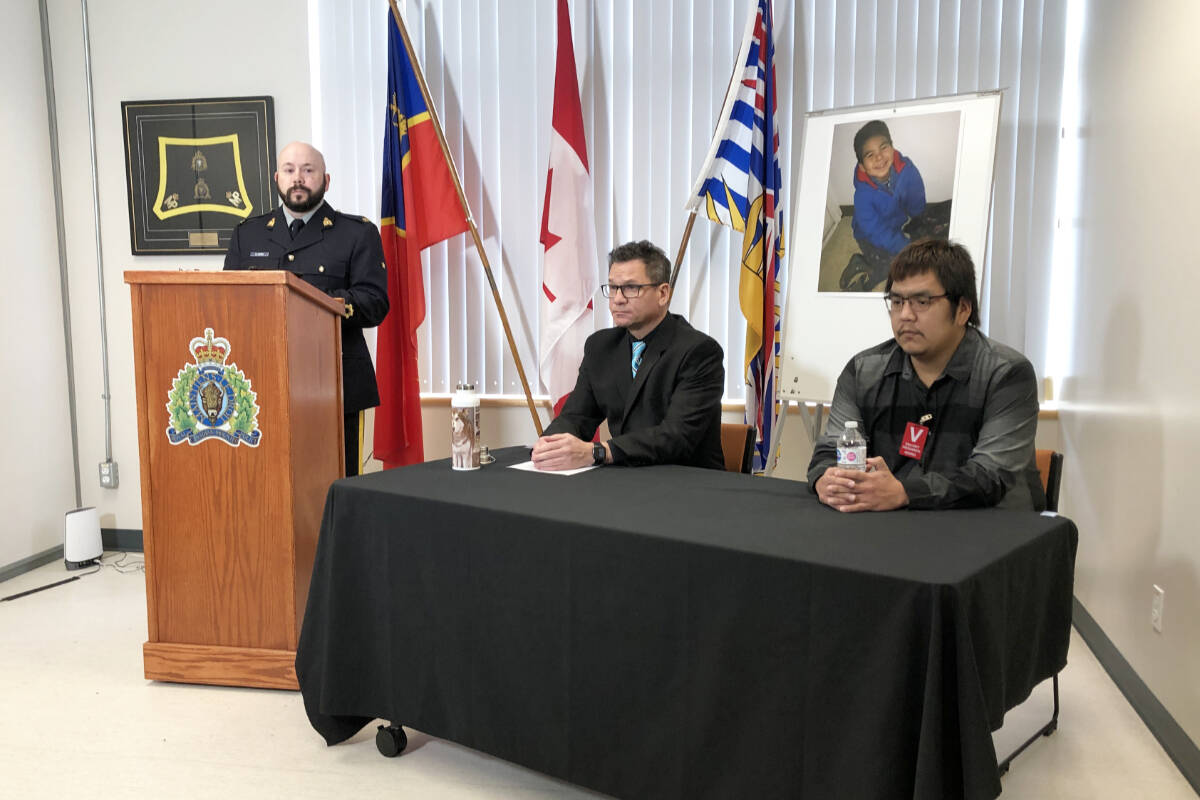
[563, 451]
[852, 490]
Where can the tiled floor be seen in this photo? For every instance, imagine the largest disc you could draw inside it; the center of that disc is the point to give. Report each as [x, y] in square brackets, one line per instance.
[77, 720]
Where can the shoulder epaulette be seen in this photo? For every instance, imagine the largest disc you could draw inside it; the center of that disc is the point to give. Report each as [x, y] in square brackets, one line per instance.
[357, 218]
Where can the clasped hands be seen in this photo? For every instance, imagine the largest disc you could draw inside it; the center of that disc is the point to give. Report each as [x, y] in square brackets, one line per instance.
[563, 451]
[877, 489]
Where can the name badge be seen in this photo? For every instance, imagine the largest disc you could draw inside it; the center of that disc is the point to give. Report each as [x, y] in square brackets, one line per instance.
[260, 253]
[915, 437]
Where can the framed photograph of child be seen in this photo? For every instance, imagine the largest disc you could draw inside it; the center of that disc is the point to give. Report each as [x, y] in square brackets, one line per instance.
[871, 180]
[889, 185]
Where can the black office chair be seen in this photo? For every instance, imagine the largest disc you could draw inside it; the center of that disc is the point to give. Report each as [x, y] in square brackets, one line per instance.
[737, 446]
[1049, 464]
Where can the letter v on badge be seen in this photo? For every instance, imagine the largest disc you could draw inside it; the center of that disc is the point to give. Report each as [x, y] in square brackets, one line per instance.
[915, 437]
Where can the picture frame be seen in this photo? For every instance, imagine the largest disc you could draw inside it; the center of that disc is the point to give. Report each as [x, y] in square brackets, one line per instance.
[195, 169]
[953, 139]
[861, 237]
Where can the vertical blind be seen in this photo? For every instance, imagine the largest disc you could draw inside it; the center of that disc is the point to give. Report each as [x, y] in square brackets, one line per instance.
[652, 78]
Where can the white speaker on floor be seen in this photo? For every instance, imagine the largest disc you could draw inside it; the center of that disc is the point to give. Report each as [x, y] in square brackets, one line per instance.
[82, 546]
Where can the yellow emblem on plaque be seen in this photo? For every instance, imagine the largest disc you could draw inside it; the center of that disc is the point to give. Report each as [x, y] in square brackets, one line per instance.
[221, 150]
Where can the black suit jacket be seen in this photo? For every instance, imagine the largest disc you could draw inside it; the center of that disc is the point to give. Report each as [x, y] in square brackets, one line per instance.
[669, 414]
[342, 256]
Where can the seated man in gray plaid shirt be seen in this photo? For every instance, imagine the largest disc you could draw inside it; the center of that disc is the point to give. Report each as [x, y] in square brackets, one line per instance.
[949, 414]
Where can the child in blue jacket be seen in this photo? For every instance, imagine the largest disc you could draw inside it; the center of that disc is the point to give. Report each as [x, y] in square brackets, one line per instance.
[888, 192]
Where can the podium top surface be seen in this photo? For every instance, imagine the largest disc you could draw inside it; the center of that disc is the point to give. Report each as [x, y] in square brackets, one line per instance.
[235, 278]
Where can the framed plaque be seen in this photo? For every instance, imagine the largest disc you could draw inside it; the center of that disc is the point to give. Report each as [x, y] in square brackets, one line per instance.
[195, 169]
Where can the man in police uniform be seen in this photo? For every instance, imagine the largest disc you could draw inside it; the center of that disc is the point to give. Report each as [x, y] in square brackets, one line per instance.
[339, 254]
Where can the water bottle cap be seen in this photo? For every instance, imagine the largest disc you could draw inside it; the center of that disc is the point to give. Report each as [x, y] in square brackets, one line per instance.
[465, 387]
[851, 424]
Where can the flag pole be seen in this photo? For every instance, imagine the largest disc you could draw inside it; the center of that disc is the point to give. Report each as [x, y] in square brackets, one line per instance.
[462, 198]
[687, 236]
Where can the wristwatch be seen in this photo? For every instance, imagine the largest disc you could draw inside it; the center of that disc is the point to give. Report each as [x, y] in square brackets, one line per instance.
[598, 454]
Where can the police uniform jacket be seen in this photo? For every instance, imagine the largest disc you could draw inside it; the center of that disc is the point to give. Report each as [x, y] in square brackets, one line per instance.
[342, 256]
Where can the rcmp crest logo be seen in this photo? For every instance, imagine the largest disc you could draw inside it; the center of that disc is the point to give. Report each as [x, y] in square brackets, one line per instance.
[210, 399]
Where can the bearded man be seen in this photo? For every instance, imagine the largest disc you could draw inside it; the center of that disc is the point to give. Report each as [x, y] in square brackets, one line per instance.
[340, 254]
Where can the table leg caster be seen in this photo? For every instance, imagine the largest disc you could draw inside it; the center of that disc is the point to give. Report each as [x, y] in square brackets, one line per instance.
[390, 740]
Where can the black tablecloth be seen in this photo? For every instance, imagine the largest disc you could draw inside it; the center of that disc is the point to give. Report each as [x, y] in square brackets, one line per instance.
[682, 633]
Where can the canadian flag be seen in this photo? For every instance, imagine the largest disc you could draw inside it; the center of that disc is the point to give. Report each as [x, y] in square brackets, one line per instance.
[569, 268]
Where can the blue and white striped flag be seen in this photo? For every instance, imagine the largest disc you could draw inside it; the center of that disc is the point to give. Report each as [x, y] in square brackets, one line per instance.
[739, 186]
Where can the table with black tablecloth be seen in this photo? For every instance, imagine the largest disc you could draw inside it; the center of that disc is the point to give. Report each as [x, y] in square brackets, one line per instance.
[669, 632]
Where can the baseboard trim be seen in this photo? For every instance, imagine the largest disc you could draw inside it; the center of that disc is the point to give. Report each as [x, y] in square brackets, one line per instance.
[31, 562]
[127, 540]
[1166, 730]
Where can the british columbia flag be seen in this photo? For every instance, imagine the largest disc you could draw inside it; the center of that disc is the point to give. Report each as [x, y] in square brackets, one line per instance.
[739, 186]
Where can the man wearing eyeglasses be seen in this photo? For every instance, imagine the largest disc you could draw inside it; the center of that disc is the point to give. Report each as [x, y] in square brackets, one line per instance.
[656, 379]
[949, 414]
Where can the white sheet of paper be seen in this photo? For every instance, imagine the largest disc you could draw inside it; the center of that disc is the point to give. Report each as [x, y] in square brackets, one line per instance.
[529, 467]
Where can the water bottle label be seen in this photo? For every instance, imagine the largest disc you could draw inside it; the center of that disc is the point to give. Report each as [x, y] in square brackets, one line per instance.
[852, 457]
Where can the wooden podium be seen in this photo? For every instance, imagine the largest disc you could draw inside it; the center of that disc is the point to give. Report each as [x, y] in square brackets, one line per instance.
[239, 398]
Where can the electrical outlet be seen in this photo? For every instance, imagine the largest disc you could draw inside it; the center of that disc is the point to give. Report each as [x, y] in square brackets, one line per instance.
[1156, 609]
[109, 478]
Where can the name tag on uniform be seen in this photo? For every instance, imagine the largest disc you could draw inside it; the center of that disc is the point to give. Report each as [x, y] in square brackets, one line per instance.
[260, 253]
[913, 444]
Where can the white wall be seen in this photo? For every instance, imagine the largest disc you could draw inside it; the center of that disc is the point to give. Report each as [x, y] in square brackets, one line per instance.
[144, 51]
[1130, 417]
[36, 476]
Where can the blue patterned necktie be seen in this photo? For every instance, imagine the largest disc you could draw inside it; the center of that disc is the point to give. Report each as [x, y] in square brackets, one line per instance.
[638, 349]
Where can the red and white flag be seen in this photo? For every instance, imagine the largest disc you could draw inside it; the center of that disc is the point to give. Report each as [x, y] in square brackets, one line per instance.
[569, 267]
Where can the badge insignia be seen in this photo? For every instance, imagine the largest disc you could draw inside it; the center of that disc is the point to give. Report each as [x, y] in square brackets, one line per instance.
[328, 223]
[234, 198]
[271, 223]
[212, 399]
[180, 162]
[915, 437]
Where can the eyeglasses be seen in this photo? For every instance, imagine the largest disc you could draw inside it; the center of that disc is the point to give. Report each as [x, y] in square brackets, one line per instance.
[919, 302]
[628, 290]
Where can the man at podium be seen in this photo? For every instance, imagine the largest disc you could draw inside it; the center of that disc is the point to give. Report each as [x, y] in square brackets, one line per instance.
[340, 254]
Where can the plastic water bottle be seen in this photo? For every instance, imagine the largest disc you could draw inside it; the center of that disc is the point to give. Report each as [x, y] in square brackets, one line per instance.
[852, 448]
